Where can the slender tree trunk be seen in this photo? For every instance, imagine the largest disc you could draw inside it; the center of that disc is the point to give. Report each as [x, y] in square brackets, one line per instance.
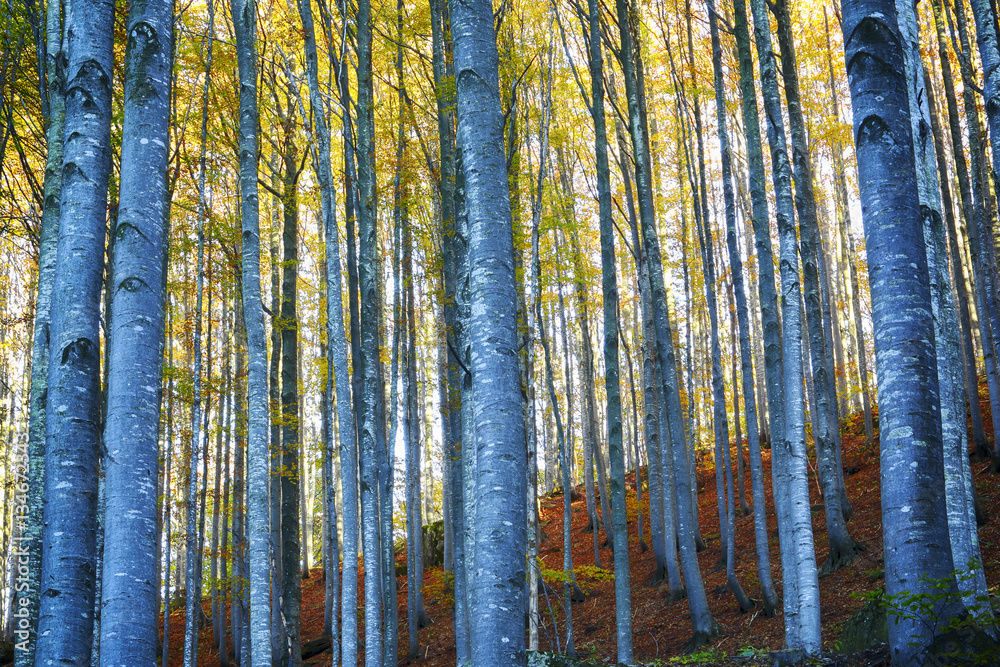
[623, 598]
[703, 624]
[192, 615]
[718, 388]
[244, 18]
[369, 361]
[802, 628]
[47, 248]
[290, 465]
[768, 300]
[569, 583]
[842, 545]
[986, 304]
[446, 137]
[168, 500]
[968, 213]
[957, 478]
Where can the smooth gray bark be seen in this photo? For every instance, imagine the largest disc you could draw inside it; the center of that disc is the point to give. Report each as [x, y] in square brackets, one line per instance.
[913, 505]
[244, 14]
[967, 209]
[703, 625]
[824, 417]
[368, 277]
[623, 594]
[135, 351]
[802, 627]
[47, 244]
[497, 603]
[736, 265]
[66, 609]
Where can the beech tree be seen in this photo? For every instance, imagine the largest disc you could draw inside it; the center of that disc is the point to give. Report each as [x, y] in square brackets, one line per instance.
[913, 503]
[135, 355]
[457, 177]
[72, 437]
[496, 593]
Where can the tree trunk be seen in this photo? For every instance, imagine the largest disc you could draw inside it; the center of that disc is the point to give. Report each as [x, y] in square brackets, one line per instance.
[129, 591]
[47, 244]
[245, 23]
[913, 509]
[703, 624]
[497, 592]
[623, 597]
[802, 628]
[968, 213]
[986, 306]
[368, 276]
[842, 545]
[65, 619]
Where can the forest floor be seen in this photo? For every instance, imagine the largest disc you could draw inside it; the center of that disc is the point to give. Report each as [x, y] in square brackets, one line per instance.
[662, 628]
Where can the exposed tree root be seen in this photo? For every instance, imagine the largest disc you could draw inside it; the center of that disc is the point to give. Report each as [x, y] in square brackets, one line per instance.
[700, 639]
[840, 557]
[657, 576]
[677, 595]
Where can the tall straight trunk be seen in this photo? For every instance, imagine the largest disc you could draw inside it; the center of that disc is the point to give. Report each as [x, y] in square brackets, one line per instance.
[590, 403]
[48, 240]
[913, 505]
[65, 618]
[700, 194]
[214, 551]
[497, 592]
[469, 461]
[225, 509]
[986, 303]
[632, 435]
[623, 597]
[203, 490]
[847, 249]
[968, 212]
[412, 440]
[351, 204]
[245, 23]
[287, 328]
[954, 433]
[414, 424]
[192, 615]
[569, 582]
[274, 411]
[337, 366]
[703, 625]
[531, 321]
[718, 381]
[47, 244]
[588, 466]
[802, 628]
[239, 591]
[446, 140]
[842, 545]
[960, 498]
[767, 296]
[135, 351]
[661, 492]
[737, 430]
[368, 276]
[168, 500]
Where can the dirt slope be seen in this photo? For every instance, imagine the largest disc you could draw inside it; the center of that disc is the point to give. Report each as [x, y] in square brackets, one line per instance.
[661, 628]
